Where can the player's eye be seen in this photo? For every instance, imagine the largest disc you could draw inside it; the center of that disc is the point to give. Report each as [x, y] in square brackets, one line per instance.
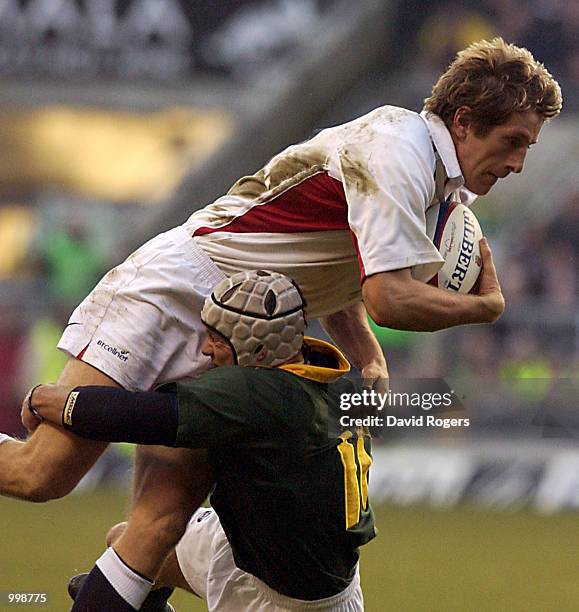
[519, 143]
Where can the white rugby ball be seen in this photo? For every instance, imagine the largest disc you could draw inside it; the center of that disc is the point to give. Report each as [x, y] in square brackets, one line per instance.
[456, 232]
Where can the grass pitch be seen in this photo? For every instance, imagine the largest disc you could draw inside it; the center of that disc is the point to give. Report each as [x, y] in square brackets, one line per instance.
[422, 561]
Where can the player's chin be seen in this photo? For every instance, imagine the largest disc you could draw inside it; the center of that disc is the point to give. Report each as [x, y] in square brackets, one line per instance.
[482, 189]
[483, 184]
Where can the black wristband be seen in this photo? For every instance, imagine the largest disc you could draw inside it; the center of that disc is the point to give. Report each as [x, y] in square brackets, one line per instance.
[31, 408]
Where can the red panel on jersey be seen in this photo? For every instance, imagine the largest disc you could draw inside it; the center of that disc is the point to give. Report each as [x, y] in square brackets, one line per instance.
[316, 204]
[81, 354]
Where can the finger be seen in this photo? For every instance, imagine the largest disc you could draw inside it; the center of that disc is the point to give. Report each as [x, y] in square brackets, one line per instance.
[27, 396]
[485, 252]
[381, 385]
[487, 258]
[378, 382]
[29, 421]
[30, 426]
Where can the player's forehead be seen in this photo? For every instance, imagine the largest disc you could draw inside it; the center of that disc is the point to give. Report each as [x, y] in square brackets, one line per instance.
[525, 126]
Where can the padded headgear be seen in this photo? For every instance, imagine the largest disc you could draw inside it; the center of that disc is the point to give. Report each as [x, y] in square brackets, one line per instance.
[260, 313]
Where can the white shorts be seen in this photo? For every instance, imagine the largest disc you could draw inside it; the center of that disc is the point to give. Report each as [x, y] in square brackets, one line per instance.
[140, 325]
[206, 561]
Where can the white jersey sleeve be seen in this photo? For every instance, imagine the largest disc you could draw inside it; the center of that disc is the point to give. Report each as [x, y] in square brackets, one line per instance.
[388, 180]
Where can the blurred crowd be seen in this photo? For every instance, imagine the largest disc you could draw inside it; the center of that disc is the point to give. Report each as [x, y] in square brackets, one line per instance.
[61, 265]
[548, 28]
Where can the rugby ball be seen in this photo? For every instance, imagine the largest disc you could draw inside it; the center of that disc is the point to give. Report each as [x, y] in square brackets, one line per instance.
[455, 231]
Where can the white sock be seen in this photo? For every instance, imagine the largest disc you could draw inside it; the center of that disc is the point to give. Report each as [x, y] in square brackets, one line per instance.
[129, 585]
[5, 438]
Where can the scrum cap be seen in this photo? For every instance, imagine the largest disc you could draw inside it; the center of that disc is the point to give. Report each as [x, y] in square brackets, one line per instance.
[261, 314]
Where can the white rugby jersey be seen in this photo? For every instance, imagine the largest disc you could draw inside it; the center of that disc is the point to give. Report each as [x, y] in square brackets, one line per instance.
[346, 204]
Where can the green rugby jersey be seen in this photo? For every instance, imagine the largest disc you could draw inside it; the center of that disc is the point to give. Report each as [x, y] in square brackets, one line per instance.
[292, 500]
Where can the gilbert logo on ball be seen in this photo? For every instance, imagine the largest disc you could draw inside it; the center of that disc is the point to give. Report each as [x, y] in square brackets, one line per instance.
[456, 232]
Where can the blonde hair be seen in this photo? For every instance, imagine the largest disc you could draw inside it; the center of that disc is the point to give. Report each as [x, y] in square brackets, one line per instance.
[494, 79]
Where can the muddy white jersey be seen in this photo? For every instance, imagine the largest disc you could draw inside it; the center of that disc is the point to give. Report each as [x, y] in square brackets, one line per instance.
[346, 204]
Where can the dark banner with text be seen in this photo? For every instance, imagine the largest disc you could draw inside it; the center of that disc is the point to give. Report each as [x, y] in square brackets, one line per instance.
[156, 39]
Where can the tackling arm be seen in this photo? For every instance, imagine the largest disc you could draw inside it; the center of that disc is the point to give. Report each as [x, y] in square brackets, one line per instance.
[111, 415]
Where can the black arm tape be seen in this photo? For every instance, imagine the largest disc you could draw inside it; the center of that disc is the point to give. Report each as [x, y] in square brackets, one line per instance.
[116, 415]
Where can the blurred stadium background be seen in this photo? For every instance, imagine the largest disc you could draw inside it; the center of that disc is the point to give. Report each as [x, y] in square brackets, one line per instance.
[118, 118]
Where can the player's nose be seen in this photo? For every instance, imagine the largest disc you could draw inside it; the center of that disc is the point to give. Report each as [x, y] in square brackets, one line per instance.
[517, 161]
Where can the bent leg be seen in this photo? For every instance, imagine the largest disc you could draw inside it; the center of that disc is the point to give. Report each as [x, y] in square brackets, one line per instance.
[52, 461]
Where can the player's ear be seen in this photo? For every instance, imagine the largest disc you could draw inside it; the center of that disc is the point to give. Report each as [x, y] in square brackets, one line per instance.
[461, 122]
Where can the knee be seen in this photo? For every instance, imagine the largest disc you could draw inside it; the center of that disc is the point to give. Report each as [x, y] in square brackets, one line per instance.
[115, 533]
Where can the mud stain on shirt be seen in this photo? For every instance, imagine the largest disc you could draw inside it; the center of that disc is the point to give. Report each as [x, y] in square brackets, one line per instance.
[356, 174]
[284, 170]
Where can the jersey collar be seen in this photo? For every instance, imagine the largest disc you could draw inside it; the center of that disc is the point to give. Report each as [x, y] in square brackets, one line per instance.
[319, 373]
[445, 148]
